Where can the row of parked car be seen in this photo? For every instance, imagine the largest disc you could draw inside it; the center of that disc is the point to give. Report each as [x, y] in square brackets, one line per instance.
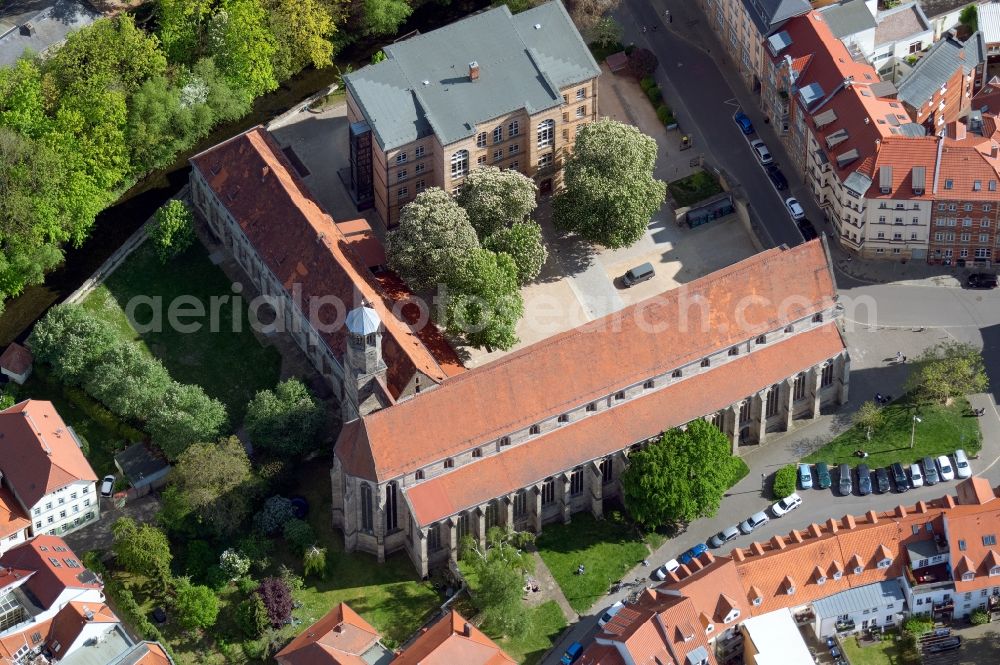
[927, 471]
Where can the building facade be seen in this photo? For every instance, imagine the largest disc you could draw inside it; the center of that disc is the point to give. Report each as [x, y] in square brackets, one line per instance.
[493, 89]
[546, 431]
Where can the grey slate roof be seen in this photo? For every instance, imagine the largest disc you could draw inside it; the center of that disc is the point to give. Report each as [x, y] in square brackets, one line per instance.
[52, 25]
[938, 65]
[869, 596]
[848, 18]
[423, 86]
[768, 14]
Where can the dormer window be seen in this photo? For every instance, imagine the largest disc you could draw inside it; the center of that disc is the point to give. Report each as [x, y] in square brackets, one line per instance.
[733, 615]
[649, 385]
[762, 339]
[505, 441]
[818, 318]
[734, 351]
[419, 475]
[885, 563]
[534, 429]
[564, 418]
[968, 576]
[449, 463]
[709, 628]
[858, 570]
[837, 575]
[790, 590]
[478, 452]
[677, 374]
[821, 579]
[757, 601]
[620, 395]
[789, 329]
[994, 571]
[706, 362]
[592, 407]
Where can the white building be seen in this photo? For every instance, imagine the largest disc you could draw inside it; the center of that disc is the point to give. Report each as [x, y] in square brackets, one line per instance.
[881, 38]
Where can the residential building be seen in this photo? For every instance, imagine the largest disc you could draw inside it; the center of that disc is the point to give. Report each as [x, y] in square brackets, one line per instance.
[344, 638]
[16, 363]
[42, 30]
[988, 20]
[14, 523]
[545, 431]
[936, 558]
[938, 89]
[494, 88]
[881, 38]
[43, 467]
[944, 14]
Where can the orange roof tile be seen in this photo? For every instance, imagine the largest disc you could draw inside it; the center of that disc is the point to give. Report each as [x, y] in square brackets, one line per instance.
[155, 655]
[901, 154]
[616, 428]
[12, 518]
[975, 491]
[567, 370]
[69, 622]
[451, 640]
[50, 560]
[340, 637]
[359, 237]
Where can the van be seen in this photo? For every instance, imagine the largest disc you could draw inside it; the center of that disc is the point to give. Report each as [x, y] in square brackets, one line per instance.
[638, 274]
[572, 654]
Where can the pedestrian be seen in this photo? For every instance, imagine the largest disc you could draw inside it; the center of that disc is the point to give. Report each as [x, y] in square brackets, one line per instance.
[899, 356]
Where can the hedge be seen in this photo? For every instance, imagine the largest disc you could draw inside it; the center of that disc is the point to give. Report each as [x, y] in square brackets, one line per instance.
[665, 115]
[784, 481]
[654, 94]
[126, 605]
[647, 83]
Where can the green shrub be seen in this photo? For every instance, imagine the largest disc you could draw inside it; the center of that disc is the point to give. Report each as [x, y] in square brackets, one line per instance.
[918, 625]
[784, 482]
[664, 113]
[979, 617]
[247, 585]
[647, 83]
[655, 94]
[739, 470]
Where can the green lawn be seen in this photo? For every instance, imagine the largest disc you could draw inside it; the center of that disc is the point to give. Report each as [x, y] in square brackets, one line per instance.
[231, 366]
[547, 623]
[942, 429]
[696, 187]
[887, 652]
[607, 549]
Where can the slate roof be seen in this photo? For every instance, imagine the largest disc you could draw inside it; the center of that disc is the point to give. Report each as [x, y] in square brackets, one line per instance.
[859, 598]
[934, 70]
[423, 86]
[768, 14]
[848, 18]
[52, 25]
[988, 20]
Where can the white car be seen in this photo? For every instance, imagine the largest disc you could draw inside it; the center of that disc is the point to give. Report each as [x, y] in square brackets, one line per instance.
[794, 208]
[916, 475]
[610, 614]
[760, 149]
[945, 468]
[108, 486]
[962, 468]
[786, 505]
[667, 568]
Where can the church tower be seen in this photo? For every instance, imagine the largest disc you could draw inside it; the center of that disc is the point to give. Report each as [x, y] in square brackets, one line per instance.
[363, 364]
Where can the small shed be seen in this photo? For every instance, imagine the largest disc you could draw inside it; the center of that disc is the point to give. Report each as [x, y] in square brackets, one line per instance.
[15, 363]
[617, 61]
[144, 469]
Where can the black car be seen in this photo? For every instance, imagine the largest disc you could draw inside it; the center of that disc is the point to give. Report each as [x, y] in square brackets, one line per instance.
[777, 177]
[899, 477]
[864, 480]
[807, 229]
[982, 280]
[882, 480]
[930, 471]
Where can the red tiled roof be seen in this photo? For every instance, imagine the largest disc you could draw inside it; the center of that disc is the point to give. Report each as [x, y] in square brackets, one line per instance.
[727, 307]
[301, 244]
[48, 557]
[962, 163]
[155, 655]
[902, 154]
[38, 454]
[341, 637]
[359, 236]
[616, 428]
[16, 359]
[68, 623]
[12, 518]
[452, 640]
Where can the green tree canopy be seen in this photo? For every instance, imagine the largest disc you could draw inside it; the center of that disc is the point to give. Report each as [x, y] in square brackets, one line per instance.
[185, 416]
[251, 616]
[128, 381]
[433, 238]
[609, 193]
[287, 420]
[869, 417]
[969, 17]
[180, 27]
[949, 370]
[483, 303]
[383, 17]
[301, 29]
[243, 46]
[500, 570]
[234, 563]
[213, 478]
[196, 606]
[144, 550]
[681, 477]
[173, 229]
[523, 243]
[161, 124]
[496, 199]
[71, 340]
[314, 562]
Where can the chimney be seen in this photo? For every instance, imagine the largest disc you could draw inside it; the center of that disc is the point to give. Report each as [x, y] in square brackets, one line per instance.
[795, 536]
[872, 517]
[467, 629]
[994, 151]
[949, 501]
[264, 172]
[900, 511]
[848, 521]
[737, 554]
[756, 548]
[778, 542]
[832, 525]
[815, 531]
[473, 71]
[921, 507]
[28, 30]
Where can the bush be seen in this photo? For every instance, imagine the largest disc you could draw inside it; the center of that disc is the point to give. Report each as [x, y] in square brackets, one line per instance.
[642, 63]
[647, 83]
[198, 559]
[918, 625]
[277, 599]
[665, 115]
[784, 482]
[979, 617]
[654, 94]
[299, 534]
[173, 229]
[277, 511]
[251, 616]
[247, 585]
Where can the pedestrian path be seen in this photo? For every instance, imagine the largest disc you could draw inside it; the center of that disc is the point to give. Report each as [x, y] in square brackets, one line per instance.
[549, 589]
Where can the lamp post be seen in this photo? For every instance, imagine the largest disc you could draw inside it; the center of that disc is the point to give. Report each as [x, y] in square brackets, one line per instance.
[913, 429]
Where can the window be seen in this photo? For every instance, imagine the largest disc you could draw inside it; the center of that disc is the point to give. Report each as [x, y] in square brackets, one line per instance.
[520, 504]
[563, 418]
[449, 463]
[884, 563]
[418, 152]
[37, 511]
[837, 574]
[789, 328]
[581, 94]
[941, 206]
[607, 470]
[799, 388]
[706, 362]
[989, 539]
[649, 385]
[86, 502]
[403, 193]
[968, 576]
[986, 206]
[481, 160]
[513, 129]
[915, 47]
[391, 518]
[581, 111]
[592, 406]
[548, 491]
[497, 134]
[367, 523]
[72, 496]
[576, 482]
[985, 222]
[858, 570]
[420, 186]
[462, 526]
[827, 377]
[459, 163]
[481, 140]
[757, 601]
[545, 160]
[48, 506]
[961, 545]
[620, 395]
[498, 154]
[534, 429]
[38, 525]
[433, 538]
[948, 185]
[967, 207]
[734, 351]
[546, 133]
[400, 158]
[818, 318]
[513, 149]
[761, 340]
[677, 374]
[505, 441]
[401, 174]
[419, 168]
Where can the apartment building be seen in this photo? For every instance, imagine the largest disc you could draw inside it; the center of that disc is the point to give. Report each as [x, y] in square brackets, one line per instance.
[45, 475]
[494, 88]
[939, 88]
[883, 38]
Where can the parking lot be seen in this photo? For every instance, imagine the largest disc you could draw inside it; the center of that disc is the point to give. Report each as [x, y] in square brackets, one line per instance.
[980, 646]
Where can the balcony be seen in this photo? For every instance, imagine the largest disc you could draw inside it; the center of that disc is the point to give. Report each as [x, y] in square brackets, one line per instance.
[945, 606]
[845, 626]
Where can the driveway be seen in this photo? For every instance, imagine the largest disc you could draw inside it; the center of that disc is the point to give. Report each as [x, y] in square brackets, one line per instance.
[98, 536]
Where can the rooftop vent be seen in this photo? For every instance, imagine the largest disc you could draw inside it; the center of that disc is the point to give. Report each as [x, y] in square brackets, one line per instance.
[28, 30]
[538, 26]
[425, 82]
[473, 71]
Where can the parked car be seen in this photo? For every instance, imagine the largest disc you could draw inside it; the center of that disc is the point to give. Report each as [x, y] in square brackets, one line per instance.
[882, 480]
[743, 122]
[638, 274]
[916, 475]
[823, 475]
[724, 536]
[755, 521]
[807, 229]
[930, 471]
[794, 208]
[982, 280]
[108, 486]
[962, 468]
[693, 553]
[845, 482]
[805, 476]
[610, 613]
[786, 505]
[760, 149]
[899, 477]
[667, 568]
[945, 470]
[572, 654]
[864, 480]
[777, 177]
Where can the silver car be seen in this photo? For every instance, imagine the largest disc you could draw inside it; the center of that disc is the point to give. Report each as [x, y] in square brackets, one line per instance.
[724, 536]
[754, 521]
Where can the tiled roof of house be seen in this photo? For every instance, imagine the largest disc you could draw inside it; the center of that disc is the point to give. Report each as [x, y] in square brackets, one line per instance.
[616, 428]
[742, 301]
[987, 99]
[910, 164]
[38, 453]
[423, 85]
[935, 69]
[12, 517]
[452, 640]
[341, 637]
[148, 653]
[16, 358]
[54, 568]
[301, 245]
[69, 622]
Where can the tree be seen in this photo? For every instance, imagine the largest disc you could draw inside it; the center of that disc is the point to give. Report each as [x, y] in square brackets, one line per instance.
[299, 534]
[213, 479]
[300, 28]
[71, 340]
[205, 84]
[383, 17]
[23, 103]
[969, 17]
[587, 13]
[173, 229]
[143, 550]
[243, 46]
[161, 123]
[251, 616]
[287, 420]
[196, 606]
[606, 32]
[869, 417]
[314, 562]
[180, 27]
[496, 199]
[642, 63]
[198, 558]
[784, 481]
[523, 243]
[277, 511]
[918, 625]
[128, 381]
[500, 570]
[185, 416]
[515, 6]
[234, 563]
[277, 599]
[681, 477]
[948, 370]
[483, 304]
[610, 193]
[433, 237]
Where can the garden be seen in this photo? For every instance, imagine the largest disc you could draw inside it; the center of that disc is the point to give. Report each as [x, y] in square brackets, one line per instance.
[696, 187]
[892, 649]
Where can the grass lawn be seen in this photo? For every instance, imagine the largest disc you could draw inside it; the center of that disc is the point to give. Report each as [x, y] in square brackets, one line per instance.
[942, 430]
[607, 549]
[547, 624]
[887, 652]
[694, 188]
[231, 366]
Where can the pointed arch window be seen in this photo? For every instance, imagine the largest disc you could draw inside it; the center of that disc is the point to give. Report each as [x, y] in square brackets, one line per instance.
[367, 523]
[391, 517]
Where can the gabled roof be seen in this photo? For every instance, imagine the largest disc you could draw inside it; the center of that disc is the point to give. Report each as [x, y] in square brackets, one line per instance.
[848, 18]
[12, 518]
[341, 637]
[452, 640]
[55, 568]
[935, 68]
[769, 14]
[38, 452]
[16, 359]
[70, 621]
